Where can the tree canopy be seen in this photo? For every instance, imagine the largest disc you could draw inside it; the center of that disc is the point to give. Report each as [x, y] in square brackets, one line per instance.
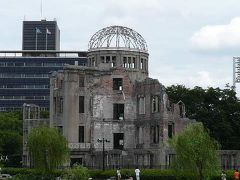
[11, 137]
[196, 152]
[48, 148]
[218, 110]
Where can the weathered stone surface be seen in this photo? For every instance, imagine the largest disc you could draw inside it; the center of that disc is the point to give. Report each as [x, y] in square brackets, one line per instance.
[133, 139]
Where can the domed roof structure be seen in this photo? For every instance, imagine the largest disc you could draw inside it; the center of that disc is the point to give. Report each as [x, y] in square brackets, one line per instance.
[117, 37]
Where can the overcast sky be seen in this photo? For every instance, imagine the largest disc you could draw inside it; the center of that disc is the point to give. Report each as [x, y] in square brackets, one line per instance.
[190, 42]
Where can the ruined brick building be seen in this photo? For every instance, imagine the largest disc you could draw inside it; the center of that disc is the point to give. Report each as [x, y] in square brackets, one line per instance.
[113, 100]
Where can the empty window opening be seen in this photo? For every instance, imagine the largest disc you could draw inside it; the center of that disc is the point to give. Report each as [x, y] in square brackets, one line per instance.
[76, 161]
[117, 83]
[125, 62]
[134, 62]
[60, 129]
[137, 135]
[107, 59]
[154, 132]
[102, 59]
[93, 63]
[141, 63]
[114, 64]
[61, 105]
[155, 104]
[157, 133]
[170, 159]
[118, 111]
[81, 134]
[81, 104]
[145, 64]
[142, 105]
[91, 105]
[55, 105]
[129, 62]
[89, 61]
[118, 141]
[170, 130]
[81, 81]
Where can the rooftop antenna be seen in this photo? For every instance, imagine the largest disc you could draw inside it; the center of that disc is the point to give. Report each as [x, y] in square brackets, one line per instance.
[41, 10]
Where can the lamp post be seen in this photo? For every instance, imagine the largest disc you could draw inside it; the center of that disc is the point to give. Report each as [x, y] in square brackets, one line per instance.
[103, 140]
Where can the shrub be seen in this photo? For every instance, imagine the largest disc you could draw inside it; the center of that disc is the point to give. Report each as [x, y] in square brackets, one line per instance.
[81, 173]
[77, 172]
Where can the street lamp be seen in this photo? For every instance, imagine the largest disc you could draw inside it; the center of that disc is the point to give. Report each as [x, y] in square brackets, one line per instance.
[103, 140]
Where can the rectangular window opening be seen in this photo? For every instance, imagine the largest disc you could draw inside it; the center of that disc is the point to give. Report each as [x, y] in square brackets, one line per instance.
[117, 84]
[125, 62]
[60, 129]
[134, 62]
[118, 141]
[118, 111]
[114, 60]
[81, 104]
[170, 130]
[76, 161]
[102, 59]
[93, 62]
[61, 105]
[155, 104]
[129, 62]
[81, 134]
[55, 105]
[141, 63]
[146, 64]
[154, 132]
[107, 59]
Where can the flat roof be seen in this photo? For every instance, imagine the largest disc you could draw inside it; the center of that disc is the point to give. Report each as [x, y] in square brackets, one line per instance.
[60, 53]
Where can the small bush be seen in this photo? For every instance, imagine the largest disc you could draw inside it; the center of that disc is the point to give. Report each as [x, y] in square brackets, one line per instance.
[76, 173]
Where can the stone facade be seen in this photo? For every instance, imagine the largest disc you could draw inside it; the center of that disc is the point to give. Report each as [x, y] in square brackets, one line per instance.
[111, 112]
[113, 100]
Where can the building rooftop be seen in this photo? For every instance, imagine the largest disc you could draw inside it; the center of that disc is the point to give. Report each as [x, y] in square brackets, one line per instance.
[44, 53]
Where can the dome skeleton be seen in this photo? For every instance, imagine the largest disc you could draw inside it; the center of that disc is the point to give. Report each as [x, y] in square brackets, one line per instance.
[117, 37]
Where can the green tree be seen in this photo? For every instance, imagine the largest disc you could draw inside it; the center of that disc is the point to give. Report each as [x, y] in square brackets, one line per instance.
[196, 152]
[48, 148]
[11, 137]
[218, 110]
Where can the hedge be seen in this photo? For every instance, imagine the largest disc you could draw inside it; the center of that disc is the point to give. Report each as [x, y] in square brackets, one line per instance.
[146, 174]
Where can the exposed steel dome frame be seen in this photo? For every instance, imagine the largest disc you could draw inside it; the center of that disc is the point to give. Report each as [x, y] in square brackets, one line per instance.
[117, 37]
